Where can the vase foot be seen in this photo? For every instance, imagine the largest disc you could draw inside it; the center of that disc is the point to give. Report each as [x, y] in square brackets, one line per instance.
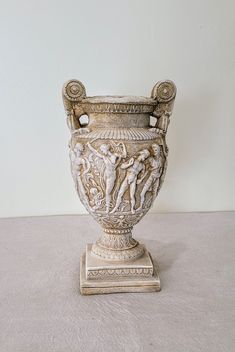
[99, 276]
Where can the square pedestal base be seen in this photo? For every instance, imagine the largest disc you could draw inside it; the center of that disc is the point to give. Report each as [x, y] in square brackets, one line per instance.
[98, 276]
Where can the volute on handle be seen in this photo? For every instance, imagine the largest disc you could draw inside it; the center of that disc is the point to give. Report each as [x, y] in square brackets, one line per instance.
[73, 94]
[164, 92]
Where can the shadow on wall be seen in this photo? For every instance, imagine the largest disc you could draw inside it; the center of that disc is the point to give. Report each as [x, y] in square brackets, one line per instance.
[193, 123]
[192, 142]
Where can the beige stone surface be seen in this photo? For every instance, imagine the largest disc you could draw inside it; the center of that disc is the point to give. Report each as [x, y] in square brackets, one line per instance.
[41, 308]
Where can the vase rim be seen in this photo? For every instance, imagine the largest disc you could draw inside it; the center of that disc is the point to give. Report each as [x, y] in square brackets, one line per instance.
[120, 99]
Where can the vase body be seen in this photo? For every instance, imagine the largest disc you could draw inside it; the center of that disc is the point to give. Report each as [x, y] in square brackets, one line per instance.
[118, 163]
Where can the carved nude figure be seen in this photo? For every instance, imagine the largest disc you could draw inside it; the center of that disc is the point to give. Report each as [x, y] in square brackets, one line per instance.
[111, 161]
[155, 171]
[135, 167]
[80, 167]
[95, 198]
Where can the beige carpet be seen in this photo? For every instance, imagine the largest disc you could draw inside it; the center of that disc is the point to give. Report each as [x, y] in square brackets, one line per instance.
[41, 309]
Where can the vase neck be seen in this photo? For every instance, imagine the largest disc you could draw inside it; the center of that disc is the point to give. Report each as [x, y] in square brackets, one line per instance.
[116, 120]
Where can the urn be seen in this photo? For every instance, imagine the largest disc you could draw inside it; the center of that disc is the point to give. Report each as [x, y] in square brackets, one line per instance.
[118, 163]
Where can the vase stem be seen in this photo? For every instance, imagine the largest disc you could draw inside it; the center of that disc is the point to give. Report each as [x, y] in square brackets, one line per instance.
[115, 244]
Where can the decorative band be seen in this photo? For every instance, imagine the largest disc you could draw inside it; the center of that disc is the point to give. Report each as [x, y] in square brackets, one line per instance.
[118, 108]
[119, 133]
[117, 231]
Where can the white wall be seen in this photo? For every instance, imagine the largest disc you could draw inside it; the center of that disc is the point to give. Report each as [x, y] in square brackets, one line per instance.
[116, 47]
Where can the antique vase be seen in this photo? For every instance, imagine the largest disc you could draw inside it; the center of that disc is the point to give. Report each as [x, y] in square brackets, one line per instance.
[118, 163]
